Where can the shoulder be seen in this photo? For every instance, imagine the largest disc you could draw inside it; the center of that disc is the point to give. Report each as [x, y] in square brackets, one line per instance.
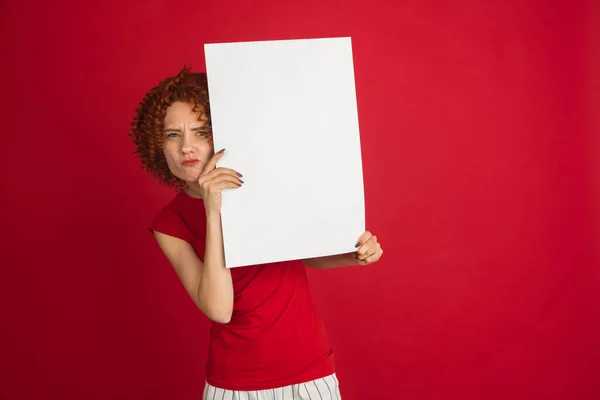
[169, 221]
[166, 215]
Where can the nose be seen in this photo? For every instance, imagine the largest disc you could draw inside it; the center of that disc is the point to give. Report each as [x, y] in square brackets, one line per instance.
[186, 144]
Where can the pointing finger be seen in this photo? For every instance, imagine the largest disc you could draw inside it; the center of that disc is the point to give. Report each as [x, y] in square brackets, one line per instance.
[212, 163]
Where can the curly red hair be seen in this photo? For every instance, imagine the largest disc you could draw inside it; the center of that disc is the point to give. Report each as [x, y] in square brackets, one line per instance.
[148, 124]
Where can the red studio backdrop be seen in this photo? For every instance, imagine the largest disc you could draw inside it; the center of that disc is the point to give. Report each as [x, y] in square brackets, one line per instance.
[480, 137]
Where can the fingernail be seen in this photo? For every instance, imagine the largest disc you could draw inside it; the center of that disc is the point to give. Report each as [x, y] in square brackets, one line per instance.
[241, 181]
[357, 244]
[222, 151]
[238, 174]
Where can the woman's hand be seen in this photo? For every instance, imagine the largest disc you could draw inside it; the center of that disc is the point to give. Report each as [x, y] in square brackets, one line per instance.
[213, 180]
[369, 250]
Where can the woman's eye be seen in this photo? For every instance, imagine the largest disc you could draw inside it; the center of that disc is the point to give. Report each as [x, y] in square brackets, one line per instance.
[172, 135]
[202, 133]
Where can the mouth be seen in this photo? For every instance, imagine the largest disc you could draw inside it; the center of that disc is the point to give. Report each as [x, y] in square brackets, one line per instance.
[189, 163]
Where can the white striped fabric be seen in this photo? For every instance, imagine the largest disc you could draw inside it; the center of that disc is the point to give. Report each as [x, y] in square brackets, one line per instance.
[327, 388]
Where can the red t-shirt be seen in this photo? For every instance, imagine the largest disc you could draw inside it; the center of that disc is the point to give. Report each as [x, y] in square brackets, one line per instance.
[275, 337]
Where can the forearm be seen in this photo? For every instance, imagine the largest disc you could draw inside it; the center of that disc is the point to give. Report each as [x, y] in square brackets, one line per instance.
[215, 291]
[335, 261]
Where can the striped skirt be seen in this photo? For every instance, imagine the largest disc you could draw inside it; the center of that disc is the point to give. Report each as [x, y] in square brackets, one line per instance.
[326, 388]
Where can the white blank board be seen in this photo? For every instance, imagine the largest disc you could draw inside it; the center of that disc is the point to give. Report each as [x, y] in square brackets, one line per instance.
[286, 113]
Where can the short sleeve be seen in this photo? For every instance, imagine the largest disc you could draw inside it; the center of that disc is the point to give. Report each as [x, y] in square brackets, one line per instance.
[170, 223]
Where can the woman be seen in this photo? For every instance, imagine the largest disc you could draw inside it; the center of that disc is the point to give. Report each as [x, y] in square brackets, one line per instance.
[266, 340]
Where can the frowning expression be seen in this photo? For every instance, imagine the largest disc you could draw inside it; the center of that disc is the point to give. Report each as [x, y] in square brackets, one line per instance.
[186, 144]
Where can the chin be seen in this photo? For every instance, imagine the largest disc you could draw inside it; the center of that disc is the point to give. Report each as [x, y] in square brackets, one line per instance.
[191, 178]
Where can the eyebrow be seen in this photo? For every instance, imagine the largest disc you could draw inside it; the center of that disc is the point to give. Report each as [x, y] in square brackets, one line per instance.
[177, 130]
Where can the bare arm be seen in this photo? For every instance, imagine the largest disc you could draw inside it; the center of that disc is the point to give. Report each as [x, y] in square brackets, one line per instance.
[216, 287]
[340, 260]
[369, 251]
[208, 283]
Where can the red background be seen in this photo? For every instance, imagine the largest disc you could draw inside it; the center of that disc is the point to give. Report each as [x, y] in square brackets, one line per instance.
[480, 134]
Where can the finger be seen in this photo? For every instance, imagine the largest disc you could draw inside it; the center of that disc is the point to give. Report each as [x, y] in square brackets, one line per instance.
[218, 171]
[367, 253]
[212, 163]
[223, 170]
[369, 244]
[223, 178]
[227, 185]
[363, 238]
[373, 252]
[371, 259]
[219, 186]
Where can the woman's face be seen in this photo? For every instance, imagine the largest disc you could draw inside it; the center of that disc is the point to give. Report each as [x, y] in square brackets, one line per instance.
[186, 146]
